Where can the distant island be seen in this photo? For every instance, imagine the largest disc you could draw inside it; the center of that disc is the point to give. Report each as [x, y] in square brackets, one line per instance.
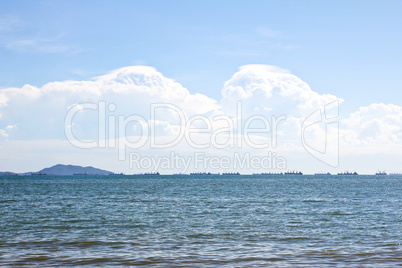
[73, 170]
[64, 170]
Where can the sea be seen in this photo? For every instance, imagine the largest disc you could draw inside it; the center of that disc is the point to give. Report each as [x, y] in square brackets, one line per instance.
[201, 221]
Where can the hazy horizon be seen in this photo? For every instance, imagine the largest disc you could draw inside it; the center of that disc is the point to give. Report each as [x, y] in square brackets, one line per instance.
[306, 86]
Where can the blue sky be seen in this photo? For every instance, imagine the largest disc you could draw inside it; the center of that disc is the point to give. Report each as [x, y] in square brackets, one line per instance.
[348, 49]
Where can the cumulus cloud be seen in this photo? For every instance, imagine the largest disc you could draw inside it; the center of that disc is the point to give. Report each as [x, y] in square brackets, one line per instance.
[374, 128]
[40, 112]
[267, 89]
[282, 97]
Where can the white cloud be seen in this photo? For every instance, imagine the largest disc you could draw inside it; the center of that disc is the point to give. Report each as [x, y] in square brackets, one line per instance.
[271, 89]
[11, 126]
[40, 112]
[29, 113]
[3, 133]
[372, 129]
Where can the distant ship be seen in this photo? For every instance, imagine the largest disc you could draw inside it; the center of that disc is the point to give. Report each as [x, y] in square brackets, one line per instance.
[231, 173]
[269, 173]
[381, 173]
[323, 174]
[348, 173]
[79, 174]
[293, 173]
[201, 174]
[38, 174]
[151, 173]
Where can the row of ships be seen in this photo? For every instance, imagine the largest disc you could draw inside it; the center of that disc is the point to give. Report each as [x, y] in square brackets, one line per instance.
[297, 173]
[346, 173]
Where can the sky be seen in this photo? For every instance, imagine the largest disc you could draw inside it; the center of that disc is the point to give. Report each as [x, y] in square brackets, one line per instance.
[282, 57]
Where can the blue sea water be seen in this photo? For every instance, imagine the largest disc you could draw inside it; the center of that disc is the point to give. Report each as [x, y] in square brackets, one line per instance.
[205, 221]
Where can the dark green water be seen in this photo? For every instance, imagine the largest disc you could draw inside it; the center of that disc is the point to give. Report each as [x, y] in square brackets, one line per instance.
[208, 221]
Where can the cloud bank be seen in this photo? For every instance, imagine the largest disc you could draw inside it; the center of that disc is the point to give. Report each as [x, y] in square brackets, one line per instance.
[264, 93]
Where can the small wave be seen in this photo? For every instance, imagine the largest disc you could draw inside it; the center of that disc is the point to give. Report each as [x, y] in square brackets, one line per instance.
[313, 200]
[200, 235]
[39, 258]
[294, 238]
[8, 201]
[338, 213]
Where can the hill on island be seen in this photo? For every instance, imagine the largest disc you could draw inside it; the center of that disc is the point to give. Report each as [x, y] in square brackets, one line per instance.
[71, 170]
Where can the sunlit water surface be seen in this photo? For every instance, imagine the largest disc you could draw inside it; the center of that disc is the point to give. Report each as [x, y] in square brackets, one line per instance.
[172, 221]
